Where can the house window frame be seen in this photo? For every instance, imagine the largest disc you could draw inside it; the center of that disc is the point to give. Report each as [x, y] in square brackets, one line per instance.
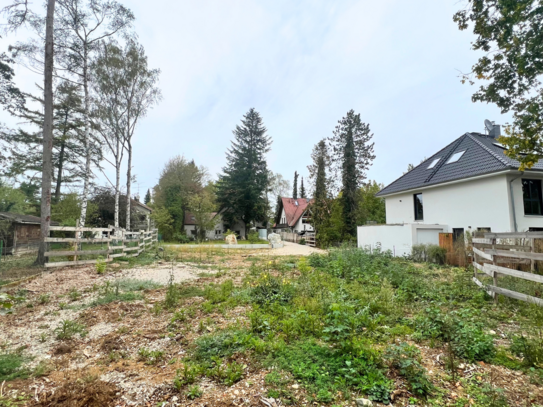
[418, 217]
[532, 199]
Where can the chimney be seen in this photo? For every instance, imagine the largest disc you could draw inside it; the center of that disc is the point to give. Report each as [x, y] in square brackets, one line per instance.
[496, 131]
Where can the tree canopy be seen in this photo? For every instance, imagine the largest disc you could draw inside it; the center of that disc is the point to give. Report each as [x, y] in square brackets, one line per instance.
[510, 36]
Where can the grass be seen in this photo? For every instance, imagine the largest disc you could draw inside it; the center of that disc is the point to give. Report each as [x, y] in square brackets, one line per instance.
[11, 366]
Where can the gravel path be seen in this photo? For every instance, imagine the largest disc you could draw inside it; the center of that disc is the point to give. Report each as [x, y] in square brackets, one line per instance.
[295, 249]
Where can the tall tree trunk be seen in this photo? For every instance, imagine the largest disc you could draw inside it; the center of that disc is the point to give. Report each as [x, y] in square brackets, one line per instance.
[128, 183]
[117, 183]
[47, 171]
[60, 165]
[87, 175]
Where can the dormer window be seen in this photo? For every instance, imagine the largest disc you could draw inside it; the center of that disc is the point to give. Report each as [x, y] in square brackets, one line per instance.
[434, 163]
[455, 157]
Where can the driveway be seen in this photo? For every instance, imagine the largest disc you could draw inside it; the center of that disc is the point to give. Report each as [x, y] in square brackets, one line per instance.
[295, 249]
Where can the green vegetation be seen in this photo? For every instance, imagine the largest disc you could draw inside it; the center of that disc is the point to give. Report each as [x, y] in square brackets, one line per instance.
[11, 366]
[122, 290]
[339, 324]
[68, 329]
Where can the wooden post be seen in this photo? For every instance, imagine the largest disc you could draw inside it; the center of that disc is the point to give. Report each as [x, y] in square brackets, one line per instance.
[77, 237]
[494, 273]
[108, 245]
[532, 247]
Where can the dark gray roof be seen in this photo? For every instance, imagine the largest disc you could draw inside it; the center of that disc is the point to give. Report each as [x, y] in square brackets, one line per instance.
[482, 156]
[28, 219]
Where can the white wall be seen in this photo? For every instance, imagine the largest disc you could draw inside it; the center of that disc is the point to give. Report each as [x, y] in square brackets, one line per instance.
[469, 205]
[300, 226]
[399, 239]
[524, 222]
[396, 238]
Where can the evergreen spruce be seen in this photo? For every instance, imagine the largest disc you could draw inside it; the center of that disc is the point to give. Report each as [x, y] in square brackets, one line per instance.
[295, 187]
[241, 189]
[320, 209]
[302, 189]
[147, 199]
[352, 155]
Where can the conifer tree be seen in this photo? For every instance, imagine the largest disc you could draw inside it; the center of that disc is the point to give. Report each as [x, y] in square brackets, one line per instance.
[147, 199]
[352, 155]
[317, 173]
[302, 189]
[295, 187]
[241, 189]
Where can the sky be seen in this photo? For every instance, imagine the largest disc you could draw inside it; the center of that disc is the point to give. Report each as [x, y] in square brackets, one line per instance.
[303, 65]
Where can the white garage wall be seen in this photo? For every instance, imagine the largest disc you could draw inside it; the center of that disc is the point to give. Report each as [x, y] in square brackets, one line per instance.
[469, 205]
[396, 238]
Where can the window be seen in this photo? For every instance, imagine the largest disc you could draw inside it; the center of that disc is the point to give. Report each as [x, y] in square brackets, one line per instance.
[193, 232]
[419, 213]
[433, 164]
[458, 233]
[455, 157]
[531, 191]
[218, 232]
[484, 230]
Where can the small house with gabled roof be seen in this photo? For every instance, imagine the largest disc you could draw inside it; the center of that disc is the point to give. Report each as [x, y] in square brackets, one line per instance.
[293, 215]
[468, 186]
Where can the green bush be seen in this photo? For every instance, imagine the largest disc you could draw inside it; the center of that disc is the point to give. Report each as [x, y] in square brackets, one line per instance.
[101, 265]
[270, 289]
[253, 237]
[325, 372]
[430, 253]
[302, 241]
[406, 358]
[530, 349]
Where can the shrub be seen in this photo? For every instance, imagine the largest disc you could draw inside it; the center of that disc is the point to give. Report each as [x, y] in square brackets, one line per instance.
[302, 241]
[253, 237]
[406, 358]
[101, 265]
[530, 349]
[219, 293]
[270, 289]
[436, 254]
[181, 238]
[430, 253]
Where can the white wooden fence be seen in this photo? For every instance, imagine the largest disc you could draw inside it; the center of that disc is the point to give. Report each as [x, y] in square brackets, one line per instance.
[487, 253]
[120, 243]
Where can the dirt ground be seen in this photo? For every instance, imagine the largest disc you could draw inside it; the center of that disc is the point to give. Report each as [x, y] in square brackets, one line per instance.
[294, 249]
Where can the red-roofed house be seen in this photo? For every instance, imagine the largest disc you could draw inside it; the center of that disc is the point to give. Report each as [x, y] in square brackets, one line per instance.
[293, 215]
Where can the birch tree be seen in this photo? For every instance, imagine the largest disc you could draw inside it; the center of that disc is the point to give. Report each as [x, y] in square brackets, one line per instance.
[84, 25]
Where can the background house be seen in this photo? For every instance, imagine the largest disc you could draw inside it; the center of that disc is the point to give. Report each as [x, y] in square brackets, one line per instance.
[142, 216]
[20, 233]
[468, 186]
[293, 216]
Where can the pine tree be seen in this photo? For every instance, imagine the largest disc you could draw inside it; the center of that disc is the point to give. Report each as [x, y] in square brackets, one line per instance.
[302, 189]
[147, 199]
[295, 187]
[352, 155]
[241, 189]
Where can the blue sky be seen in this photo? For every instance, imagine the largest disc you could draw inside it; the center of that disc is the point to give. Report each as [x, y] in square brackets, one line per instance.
[302, 65]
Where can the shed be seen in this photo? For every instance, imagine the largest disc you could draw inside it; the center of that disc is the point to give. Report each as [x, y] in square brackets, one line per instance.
[20, 233]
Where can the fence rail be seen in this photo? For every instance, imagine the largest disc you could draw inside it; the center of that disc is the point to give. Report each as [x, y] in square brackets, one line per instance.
[309, 238]
[487, 253]
[120, 243]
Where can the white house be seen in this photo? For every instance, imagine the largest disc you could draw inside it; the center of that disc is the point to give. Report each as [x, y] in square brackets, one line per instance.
[293, 215]
[190, 226]
[468, 186]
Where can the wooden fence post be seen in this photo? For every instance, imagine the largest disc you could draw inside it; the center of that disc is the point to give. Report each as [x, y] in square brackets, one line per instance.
[494, 273]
